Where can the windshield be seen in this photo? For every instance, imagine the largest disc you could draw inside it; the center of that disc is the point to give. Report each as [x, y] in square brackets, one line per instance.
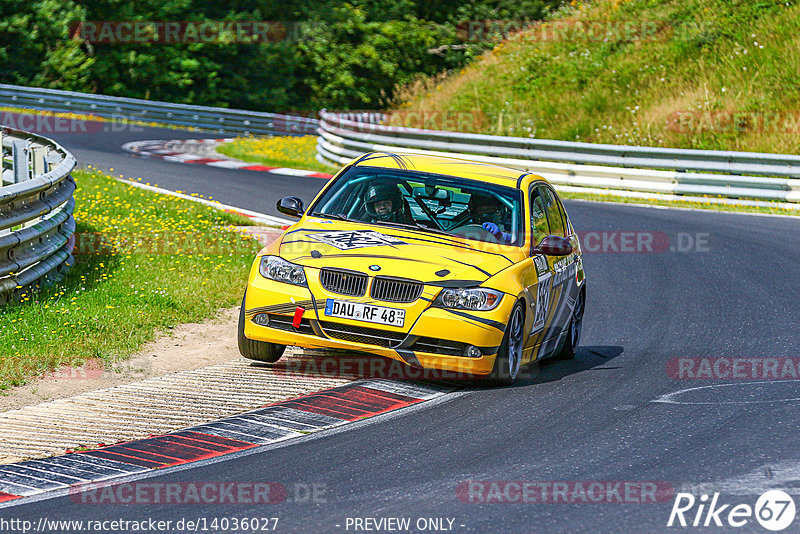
[429, 202]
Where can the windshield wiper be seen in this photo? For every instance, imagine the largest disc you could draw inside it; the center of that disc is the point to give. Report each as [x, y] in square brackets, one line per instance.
[416, 226]
[336, 216]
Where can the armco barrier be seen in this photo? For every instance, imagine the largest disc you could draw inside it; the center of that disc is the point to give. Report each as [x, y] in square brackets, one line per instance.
[36, 205]
[747, 177]
[221, 120]
[613, 168]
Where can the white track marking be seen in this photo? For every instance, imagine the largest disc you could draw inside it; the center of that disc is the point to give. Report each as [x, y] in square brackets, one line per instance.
[670, 398]
[257, 217]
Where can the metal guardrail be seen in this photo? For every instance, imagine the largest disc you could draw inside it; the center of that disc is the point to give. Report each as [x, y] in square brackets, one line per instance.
[36, 205]
[221, 120]
[613, 169]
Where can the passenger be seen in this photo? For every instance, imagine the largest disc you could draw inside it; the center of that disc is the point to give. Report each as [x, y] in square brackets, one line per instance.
[491, 214]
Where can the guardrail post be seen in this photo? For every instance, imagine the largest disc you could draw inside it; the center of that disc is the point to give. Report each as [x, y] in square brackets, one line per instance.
[39, 157]
[51, 158]
[19, 158]
[6, 175]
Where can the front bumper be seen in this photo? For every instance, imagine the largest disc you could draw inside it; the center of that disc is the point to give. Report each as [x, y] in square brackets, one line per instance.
[431, 338]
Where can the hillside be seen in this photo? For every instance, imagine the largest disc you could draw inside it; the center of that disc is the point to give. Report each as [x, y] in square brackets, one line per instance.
[712, 74]
[266, 55]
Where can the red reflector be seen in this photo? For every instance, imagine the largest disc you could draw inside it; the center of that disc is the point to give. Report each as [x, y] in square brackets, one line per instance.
[298, 315]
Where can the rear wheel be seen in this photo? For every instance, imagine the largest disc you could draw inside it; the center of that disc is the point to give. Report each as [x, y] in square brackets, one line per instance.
[570, 347]
[257, 350]
[509, 356]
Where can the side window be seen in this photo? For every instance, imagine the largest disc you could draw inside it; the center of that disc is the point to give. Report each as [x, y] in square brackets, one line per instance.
[563, 216]
[554, 216]
[539, 226]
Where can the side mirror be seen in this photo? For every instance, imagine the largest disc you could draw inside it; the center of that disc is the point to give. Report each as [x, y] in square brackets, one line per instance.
[291, 206]
[553, 245]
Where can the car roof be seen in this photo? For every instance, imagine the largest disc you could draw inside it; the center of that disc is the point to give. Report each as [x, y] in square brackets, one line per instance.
[463, 168]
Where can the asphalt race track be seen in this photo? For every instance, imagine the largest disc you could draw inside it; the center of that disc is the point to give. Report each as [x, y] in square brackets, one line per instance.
[592, 419]
[257, 191]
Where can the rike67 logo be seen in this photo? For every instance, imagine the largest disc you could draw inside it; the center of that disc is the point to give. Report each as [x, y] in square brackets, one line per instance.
[774, 510]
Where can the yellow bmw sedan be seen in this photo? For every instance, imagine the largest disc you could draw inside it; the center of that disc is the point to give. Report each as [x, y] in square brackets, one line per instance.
[439, 263]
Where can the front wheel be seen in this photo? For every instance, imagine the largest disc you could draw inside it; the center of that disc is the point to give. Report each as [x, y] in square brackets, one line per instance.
[570, 347]
[509, 356]
[257, 350]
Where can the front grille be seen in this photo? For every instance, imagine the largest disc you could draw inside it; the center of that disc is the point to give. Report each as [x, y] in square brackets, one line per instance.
[343, 282]
[395, 289]
[439, 346]
[282, 322]
[361, 334]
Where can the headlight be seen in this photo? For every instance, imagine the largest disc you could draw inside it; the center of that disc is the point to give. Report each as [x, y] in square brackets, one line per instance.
[280, 270]
[479, 299]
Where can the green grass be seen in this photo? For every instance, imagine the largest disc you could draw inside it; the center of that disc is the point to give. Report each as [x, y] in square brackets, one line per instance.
[296, 152]
[726, 68]
[145, 262]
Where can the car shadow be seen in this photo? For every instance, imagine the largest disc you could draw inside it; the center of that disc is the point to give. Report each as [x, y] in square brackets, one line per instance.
[349, 365]
[587, 358]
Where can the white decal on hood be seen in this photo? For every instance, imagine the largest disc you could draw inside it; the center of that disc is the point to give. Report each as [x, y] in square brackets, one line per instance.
[356, 239]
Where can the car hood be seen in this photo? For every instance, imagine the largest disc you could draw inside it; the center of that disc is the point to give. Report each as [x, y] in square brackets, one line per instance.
[381, 250]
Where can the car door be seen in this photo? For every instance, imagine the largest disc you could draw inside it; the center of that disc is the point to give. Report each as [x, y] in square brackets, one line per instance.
[539, 284]
[564, 287]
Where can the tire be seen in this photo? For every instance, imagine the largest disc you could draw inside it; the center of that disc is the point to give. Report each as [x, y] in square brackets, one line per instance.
[257, 350]
[570, 347]
[509, 355]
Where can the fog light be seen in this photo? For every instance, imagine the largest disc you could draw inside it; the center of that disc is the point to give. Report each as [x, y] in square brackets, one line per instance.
[261, 319]
[472, 352]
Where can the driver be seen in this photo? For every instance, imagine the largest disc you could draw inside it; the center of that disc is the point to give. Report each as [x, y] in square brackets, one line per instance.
[490, 213]
[384, 202]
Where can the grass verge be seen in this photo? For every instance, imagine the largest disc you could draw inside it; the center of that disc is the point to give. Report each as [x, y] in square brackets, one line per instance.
[705, 205]
[144, 262]
[704, 74]
[297, 152]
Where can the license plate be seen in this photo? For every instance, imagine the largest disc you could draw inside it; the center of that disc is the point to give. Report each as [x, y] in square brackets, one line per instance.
[365, 312]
